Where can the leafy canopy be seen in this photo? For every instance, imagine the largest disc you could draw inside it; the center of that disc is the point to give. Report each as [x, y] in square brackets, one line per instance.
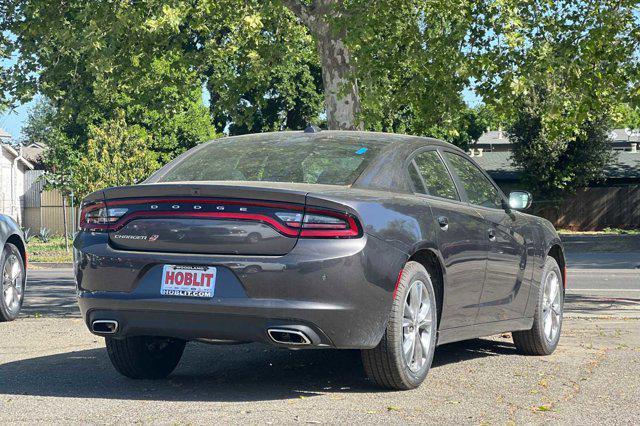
[566, 65]
[115, 156]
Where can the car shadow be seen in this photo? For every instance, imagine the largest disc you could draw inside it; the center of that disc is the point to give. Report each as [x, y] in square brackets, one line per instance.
[251, 372]
[50, 294]
[600, 304]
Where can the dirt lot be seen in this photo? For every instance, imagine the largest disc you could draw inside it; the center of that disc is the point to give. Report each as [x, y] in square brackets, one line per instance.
[53, 370]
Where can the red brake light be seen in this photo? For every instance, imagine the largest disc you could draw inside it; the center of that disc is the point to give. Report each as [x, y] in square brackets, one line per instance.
[98, 216]
[321, 223]
[292, 221]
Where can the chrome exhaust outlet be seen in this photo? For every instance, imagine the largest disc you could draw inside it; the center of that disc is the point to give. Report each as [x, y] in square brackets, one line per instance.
[104, 326]
[288, 337]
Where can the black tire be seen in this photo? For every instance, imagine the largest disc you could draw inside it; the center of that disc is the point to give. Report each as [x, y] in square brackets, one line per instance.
[385, 364]
[8, 313]
[536, 341]
[145, 357]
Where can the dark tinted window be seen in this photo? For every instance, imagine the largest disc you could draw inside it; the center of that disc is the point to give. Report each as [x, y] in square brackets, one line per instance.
[479, 189]
[278, 157]
[436, 178]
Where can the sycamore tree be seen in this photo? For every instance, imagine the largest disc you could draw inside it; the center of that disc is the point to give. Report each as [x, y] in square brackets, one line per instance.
[392, 65]
[557, 70]
[268, 65]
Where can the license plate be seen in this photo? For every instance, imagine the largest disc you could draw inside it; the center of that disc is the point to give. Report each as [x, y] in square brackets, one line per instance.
[189, 281]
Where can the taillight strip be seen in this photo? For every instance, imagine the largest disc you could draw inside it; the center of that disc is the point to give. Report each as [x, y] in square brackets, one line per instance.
[351, 231]
[197, 215]
[293, 229]
[249, 203]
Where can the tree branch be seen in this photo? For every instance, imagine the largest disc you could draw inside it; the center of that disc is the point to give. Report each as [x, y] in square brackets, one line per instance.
[301, 11]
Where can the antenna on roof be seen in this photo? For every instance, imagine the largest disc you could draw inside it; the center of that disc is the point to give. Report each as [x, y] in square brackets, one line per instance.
[312, 129]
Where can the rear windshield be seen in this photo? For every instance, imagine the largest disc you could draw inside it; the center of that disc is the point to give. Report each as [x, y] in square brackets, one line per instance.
[279, 157]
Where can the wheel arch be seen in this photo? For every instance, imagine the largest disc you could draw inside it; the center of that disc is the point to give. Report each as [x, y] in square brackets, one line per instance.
[17, 241]
[556, 251]
[432, 261]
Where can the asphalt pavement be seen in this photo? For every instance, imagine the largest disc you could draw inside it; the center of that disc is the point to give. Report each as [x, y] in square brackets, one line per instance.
[52, 370]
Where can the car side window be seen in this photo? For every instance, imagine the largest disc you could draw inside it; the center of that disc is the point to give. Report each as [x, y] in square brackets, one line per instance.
[436, 177]
[479, 189]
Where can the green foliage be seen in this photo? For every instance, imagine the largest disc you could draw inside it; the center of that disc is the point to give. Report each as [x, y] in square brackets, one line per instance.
[556, 70]
[44, 235]
[581, 56]
[149, 60]
[89, 63]
[264, 75]
[411, 64]
[27, 234]
[552, 167]
[54, 250]
[117, 155]
[627, 115]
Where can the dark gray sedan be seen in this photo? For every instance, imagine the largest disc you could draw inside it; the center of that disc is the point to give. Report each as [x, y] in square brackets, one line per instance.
[386, 243]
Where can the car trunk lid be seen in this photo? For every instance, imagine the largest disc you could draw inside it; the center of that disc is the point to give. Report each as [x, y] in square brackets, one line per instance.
[202, 218]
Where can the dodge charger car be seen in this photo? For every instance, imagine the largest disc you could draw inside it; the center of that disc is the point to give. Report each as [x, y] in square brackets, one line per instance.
[386, 243]
[13, 262]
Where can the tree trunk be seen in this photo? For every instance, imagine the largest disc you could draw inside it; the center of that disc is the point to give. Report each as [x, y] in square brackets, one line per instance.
[341, 97]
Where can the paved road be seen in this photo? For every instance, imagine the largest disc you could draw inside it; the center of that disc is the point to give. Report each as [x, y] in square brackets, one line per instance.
[53, 370]
[51, 292]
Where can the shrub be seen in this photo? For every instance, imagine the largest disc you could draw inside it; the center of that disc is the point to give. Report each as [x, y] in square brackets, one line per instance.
[44, 235]
[26, 233]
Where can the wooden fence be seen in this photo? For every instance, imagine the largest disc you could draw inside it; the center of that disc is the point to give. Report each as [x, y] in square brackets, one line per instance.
[596, 208]
[43, 209]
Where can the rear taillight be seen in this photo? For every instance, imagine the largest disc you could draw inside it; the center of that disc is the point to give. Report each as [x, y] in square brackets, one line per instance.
[321, 223]
[290, 220]
[99, 217]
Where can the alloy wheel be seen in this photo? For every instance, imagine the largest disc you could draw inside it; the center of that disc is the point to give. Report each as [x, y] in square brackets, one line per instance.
[416, 326]
[551, 306]
[12, 288]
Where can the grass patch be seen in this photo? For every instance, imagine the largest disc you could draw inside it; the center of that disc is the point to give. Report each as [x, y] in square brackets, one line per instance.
[51, 251]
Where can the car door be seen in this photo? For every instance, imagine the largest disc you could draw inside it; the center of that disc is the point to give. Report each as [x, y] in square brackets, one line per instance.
[461, 238]
[504, 294]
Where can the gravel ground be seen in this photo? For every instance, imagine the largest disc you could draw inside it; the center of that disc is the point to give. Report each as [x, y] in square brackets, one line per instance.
[53, 370]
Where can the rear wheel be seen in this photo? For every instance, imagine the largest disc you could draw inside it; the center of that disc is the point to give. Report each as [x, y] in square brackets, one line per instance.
[403, 357]
[145, 357]
[544, 336]
[13, 283]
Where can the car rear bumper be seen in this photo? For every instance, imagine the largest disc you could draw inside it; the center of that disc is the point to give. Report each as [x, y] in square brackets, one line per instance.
[338, 293]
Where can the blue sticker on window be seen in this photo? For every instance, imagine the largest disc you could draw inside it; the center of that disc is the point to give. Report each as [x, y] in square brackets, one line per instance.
[362, 151]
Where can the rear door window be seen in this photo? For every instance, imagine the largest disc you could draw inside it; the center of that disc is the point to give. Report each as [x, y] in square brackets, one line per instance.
[431, 176]
[480, 191]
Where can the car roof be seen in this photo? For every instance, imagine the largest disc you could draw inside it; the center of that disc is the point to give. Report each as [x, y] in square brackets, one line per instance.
[385, 171]
[392, 140]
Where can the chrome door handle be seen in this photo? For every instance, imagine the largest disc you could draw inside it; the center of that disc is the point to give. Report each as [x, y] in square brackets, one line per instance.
[443, 221]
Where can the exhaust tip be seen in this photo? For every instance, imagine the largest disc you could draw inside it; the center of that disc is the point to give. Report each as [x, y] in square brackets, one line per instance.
[288, 337]
[104, 326]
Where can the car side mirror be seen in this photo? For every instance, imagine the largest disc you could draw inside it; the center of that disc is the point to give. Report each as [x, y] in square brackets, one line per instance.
[519, 200]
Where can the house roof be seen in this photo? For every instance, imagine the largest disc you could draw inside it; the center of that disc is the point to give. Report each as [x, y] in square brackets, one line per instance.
[33, 152]
[625, 135]
[495, 137]
[499, 137]
[625, 165]
[11, 150]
